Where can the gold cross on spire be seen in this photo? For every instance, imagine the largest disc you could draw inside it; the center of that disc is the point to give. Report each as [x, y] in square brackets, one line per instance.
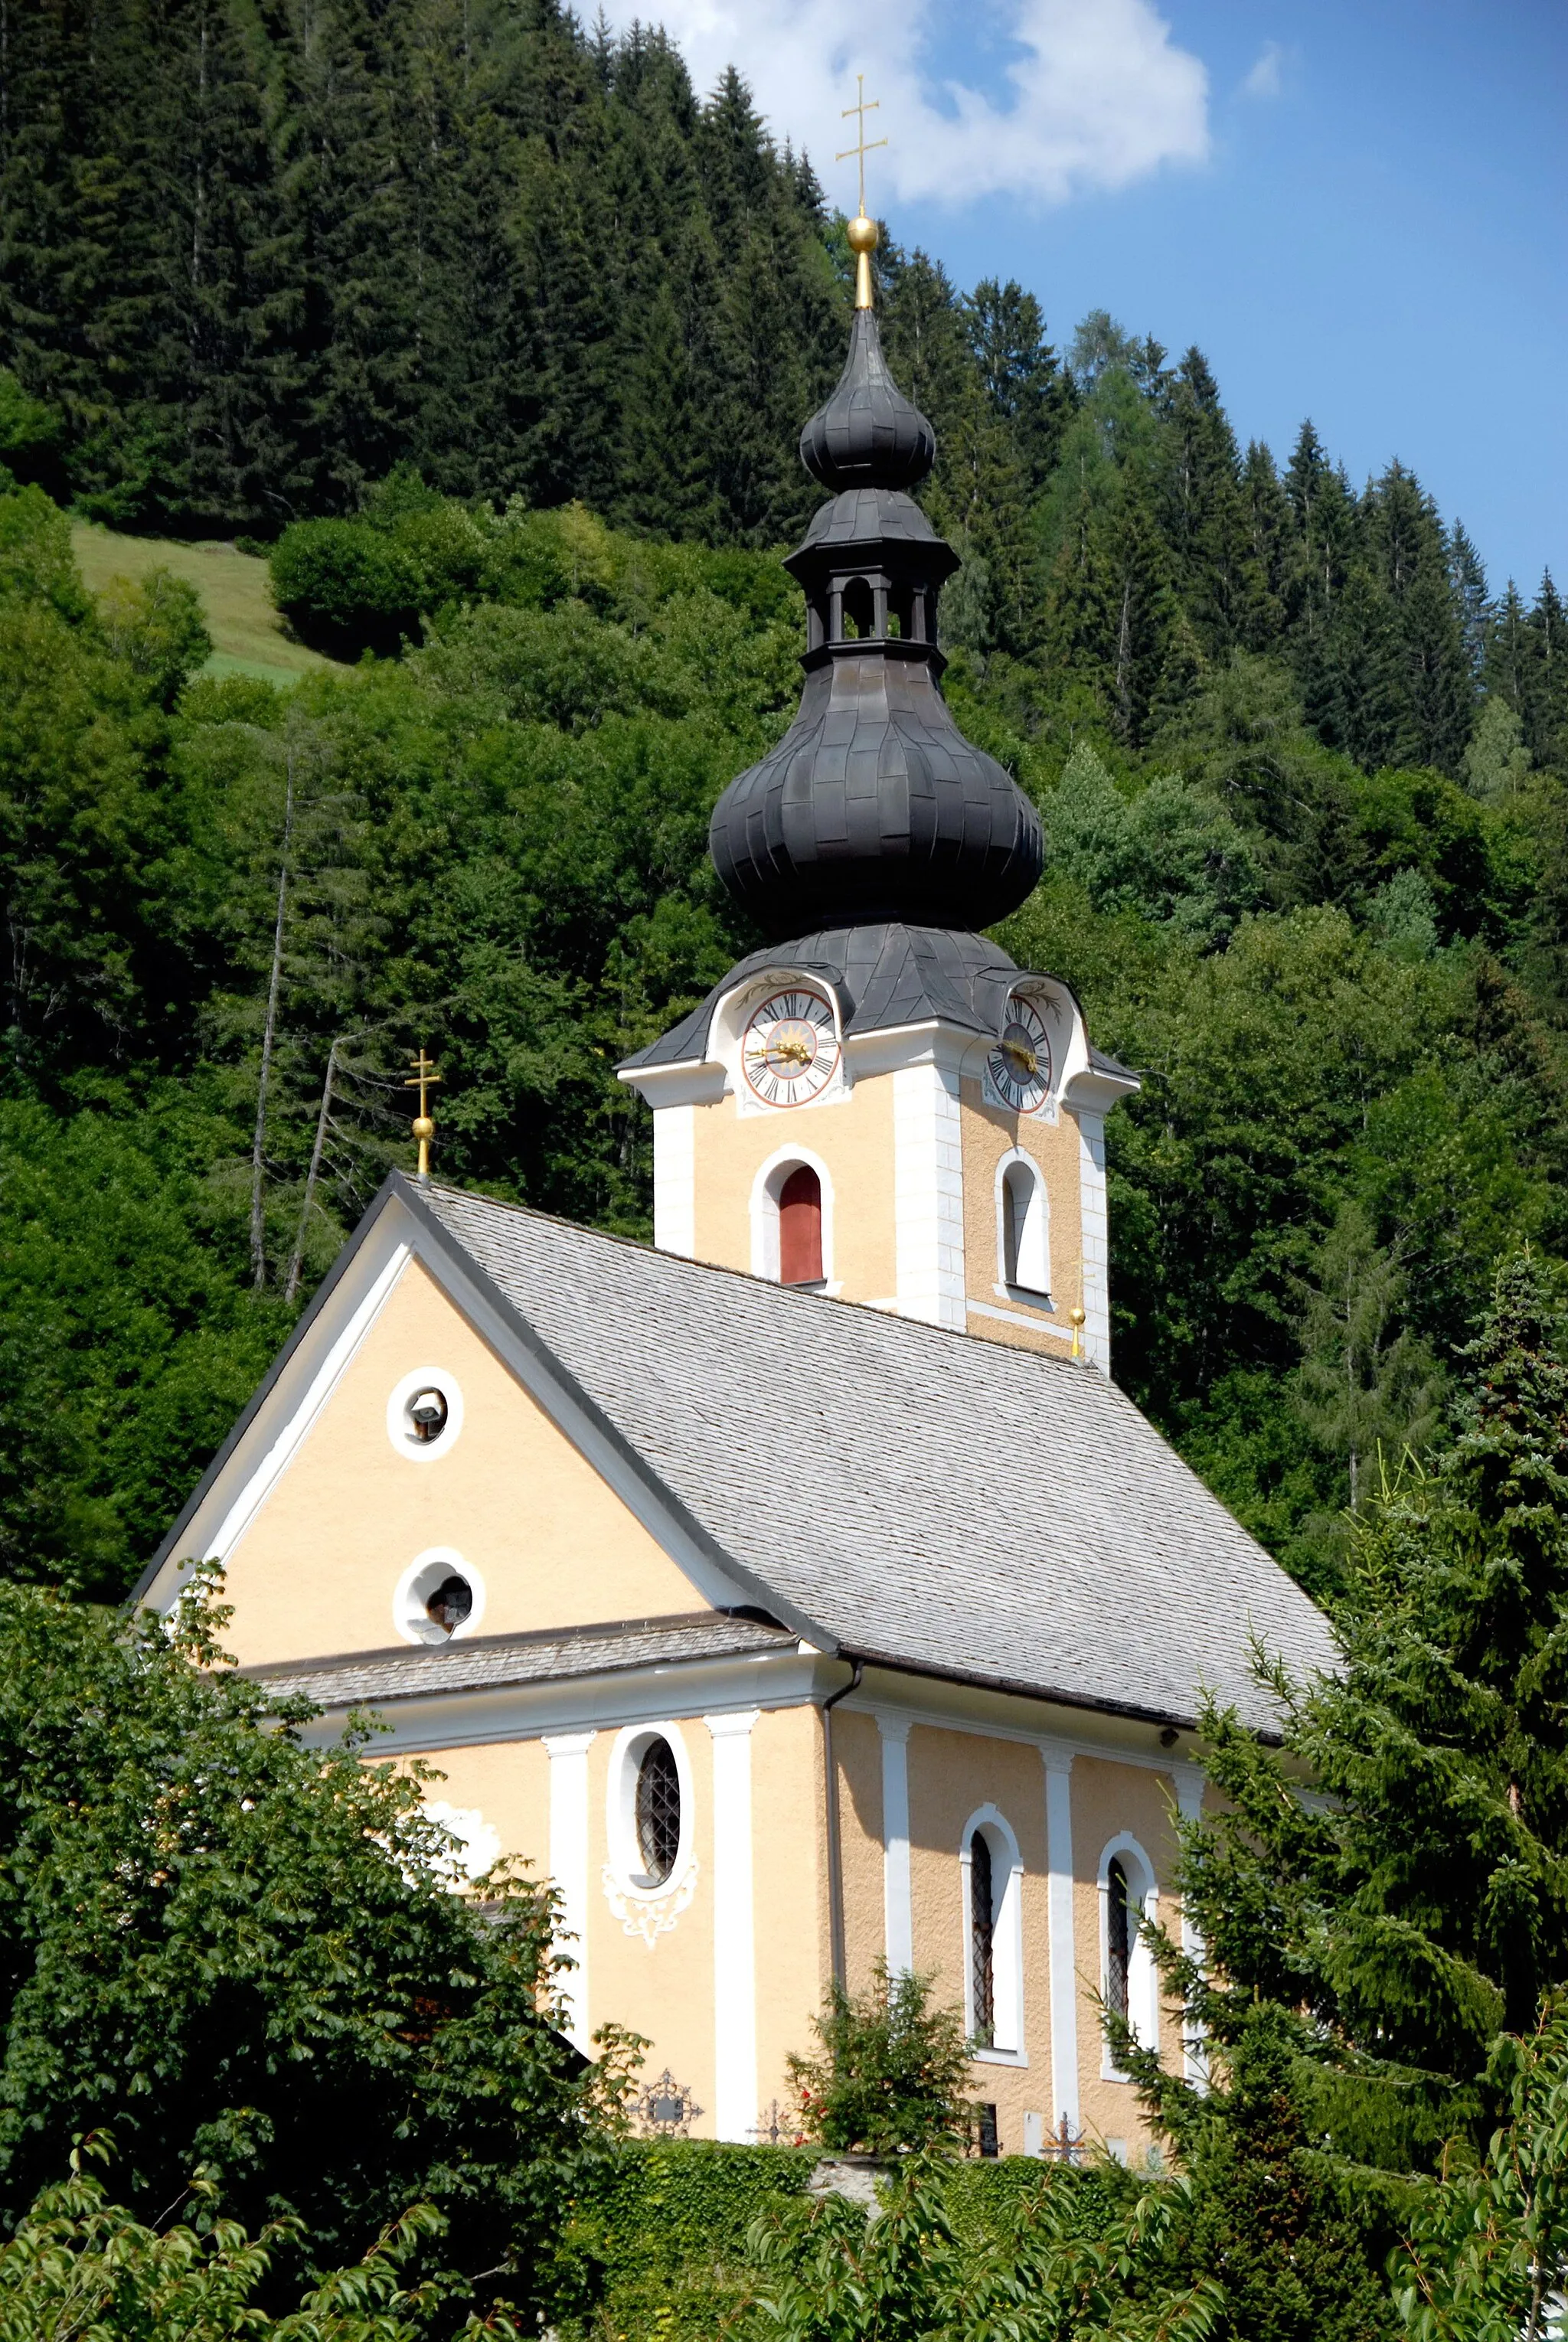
[423, 1075]
[861, 150]
[862, 231]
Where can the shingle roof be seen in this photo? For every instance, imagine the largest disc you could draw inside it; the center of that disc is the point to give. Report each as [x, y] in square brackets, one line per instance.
[929, 1499]
[492, 1662]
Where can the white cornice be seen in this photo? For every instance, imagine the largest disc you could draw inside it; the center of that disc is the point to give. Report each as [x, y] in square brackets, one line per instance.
[706, 1688]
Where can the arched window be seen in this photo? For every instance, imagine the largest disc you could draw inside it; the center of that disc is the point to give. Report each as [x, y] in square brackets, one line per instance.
[1119, 1936]
[658, 1811]
[983, 1940]
[992, 1875]
[800, 1227]
[1129, 1979]
[1025, 1230]
[859, 610]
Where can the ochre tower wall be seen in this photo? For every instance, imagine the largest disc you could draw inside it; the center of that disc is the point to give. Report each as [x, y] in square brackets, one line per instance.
[852, 1139]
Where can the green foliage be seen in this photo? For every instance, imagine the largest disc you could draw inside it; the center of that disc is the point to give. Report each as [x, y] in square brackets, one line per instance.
[1486, 2258]
[1071, 2262]
[229, 1951]
[659, 2242]
[1390, 1920]
[80, 2268]
[345, 587]
[891, 2072]
[127, 1344]
[1290, 2243]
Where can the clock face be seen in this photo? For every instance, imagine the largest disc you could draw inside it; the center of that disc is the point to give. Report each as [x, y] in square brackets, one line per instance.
[789, 1049]
[1020, 1063]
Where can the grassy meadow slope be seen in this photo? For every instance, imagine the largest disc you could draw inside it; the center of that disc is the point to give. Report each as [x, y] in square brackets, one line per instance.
[247, 633]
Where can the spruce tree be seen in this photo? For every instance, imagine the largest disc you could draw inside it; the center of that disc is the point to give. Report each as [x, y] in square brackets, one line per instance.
[1393, 1879]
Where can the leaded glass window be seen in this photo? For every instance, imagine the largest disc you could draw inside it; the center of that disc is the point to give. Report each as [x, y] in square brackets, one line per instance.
[983, 1939]
[1119, 1934]
[658, 1811]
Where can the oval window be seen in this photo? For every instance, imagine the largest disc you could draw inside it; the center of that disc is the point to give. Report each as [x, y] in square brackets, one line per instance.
[427, 1412]
[658, 1812]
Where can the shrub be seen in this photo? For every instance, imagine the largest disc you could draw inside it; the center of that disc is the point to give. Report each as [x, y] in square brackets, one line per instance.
[891, 2073]
[346, 586]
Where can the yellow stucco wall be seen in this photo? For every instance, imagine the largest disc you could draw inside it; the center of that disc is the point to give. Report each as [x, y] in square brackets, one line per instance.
[1109, 1798]
[315, 1572]
[989, 1134]
[661, 1984]
[790, 1873]
[852, 1135]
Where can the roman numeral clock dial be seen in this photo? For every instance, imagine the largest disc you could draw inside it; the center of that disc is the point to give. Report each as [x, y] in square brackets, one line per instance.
[789, 1051]
[1020, 1063]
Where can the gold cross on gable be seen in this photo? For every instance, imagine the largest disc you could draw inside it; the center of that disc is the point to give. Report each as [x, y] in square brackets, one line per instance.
[861, 108]
[421, 1079]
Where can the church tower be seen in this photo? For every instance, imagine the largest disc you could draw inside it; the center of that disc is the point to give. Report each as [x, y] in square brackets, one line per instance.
[880, 1103]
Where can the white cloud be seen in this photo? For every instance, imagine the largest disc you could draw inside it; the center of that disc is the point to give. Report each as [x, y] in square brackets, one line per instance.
[1097, 93]
[1266, 76]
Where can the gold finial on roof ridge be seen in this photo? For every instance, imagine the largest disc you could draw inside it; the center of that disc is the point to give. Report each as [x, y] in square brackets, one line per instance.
[862, 231]
[423, 1125]
[1075, 1319]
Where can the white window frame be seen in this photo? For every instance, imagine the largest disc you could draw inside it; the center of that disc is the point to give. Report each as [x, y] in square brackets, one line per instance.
[1143, 1976]
[626, 1756]
[766, 1189]
[418, 1583]
[1034, 1250]
[1006, 1938]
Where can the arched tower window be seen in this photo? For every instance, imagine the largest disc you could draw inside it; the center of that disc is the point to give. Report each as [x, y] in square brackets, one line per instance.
[1119, 1936]
[983, 1939]
[1025, 1231]
[800, 1227]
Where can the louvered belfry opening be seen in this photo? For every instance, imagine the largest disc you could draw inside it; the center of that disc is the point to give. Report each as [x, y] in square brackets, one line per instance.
[1118, 1939]
[658, 1811]
[982, 1939]
[800, 1228]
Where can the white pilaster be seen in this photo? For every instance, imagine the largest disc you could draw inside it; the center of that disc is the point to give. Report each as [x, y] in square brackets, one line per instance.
[568, 1755]
[1097, 1238]
[1189, 1781]
[928, 1195]
[675, 1179]
[734, 1933]
[898, 1912]
[1058, 1766]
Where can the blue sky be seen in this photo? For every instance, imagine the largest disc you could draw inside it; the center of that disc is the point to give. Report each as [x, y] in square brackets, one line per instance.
[1358, 212]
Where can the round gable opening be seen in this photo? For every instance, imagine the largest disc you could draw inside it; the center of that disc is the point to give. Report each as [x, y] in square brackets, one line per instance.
[440, 1597]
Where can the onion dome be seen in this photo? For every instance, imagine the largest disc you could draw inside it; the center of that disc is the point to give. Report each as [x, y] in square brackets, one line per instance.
[874, 807]
[867, 433]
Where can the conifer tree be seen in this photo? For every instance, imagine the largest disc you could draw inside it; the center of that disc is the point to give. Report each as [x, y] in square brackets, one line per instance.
[1414, 1900]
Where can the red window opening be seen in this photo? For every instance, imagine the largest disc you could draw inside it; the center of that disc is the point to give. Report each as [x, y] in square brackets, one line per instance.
[800, 1228]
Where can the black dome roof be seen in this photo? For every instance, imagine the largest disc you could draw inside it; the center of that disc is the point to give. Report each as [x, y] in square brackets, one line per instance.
[874, 806]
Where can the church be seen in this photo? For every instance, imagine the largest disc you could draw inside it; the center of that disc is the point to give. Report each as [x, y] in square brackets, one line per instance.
[798, 1591]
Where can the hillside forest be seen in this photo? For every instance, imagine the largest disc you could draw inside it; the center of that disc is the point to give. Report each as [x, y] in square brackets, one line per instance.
[494, 337]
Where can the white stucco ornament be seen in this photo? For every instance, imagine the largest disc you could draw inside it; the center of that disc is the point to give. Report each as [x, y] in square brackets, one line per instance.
[650, 1915]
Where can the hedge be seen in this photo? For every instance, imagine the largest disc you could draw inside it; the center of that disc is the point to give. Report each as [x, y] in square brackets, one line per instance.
[661, 2246]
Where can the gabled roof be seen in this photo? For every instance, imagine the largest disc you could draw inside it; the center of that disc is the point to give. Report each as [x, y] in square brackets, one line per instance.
[922, 1499]
[917, 1498]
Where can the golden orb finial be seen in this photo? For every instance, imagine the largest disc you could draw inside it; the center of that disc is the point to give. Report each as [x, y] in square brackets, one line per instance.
[424, 1124]
[862, 231]
[1075, 1319]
